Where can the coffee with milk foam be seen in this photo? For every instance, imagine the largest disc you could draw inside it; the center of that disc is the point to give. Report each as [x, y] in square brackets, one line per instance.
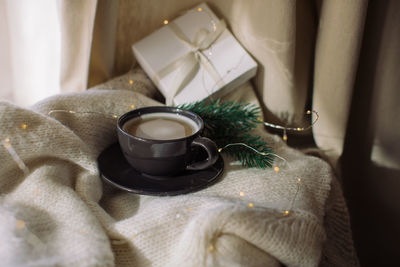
[161, 126]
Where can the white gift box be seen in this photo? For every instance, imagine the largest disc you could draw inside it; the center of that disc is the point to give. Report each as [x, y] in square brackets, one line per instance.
[194, 57]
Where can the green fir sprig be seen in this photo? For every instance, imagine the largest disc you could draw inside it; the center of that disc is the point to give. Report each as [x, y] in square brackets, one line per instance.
[231, 123]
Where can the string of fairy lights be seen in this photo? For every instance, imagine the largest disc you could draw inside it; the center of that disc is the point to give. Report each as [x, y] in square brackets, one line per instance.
[20, 224]
[276, 169]
[294, 129]
[24, 126]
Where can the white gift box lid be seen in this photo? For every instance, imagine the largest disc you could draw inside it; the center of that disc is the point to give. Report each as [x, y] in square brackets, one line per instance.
[228, 58]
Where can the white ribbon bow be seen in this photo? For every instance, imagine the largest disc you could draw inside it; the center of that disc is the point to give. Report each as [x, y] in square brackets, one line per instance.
[189, 64]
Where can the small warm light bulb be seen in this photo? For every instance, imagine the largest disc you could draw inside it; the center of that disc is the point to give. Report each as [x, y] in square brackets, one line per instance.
[241, 194]
[200, 9]
[284, 137]
[211, 248]
[299, 129]
[308, 111]
[251, 205]
[115, 116]
[132, 106]
[299, 180]
[165, 22]
[24, 126]
[276, 169]
[20, 224]
[219, 149]
[7, 145]
[287, 212]
[130, 81]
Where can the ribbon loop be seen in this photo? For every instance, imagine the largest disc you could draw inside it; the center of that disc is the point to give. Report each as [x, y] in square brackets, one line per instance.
[189, 64]
[200, 37]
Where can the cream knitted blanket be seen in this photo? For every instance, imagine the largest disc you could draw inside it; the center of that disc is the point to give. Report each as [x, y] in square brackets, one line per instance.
[60, 213]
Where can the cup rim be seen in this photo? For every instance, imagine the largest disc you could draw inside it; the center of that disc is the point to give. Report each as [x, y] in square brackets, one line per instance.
[158, 109]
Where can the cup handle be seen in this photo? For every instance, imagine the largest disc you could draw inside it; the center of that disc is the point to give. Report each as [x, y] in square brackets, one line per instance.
[211, 149]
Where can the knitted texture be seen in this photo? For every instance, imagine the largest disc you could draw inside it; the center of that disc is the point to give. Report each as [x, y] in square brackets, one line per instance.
[62, 214]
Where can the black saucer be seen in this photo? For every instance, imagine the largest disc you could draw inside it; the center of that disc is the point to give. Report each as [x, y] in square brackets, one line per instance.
[115, 170]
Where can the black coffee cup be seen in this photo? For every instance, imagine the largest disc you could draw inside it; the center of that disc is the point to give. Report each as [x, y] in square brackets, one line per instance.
[166, 156]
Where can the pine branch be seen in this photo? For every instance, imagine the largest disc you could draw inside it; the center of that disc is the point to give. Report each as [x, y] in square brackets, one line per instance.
[232, 116]
[231, 123]
[246, 155]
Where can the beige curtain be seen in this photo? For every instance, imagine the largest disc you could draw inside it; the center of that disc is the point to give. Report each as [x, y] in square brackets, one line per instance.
[337, 50]
[76, 24]
[45, 48]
